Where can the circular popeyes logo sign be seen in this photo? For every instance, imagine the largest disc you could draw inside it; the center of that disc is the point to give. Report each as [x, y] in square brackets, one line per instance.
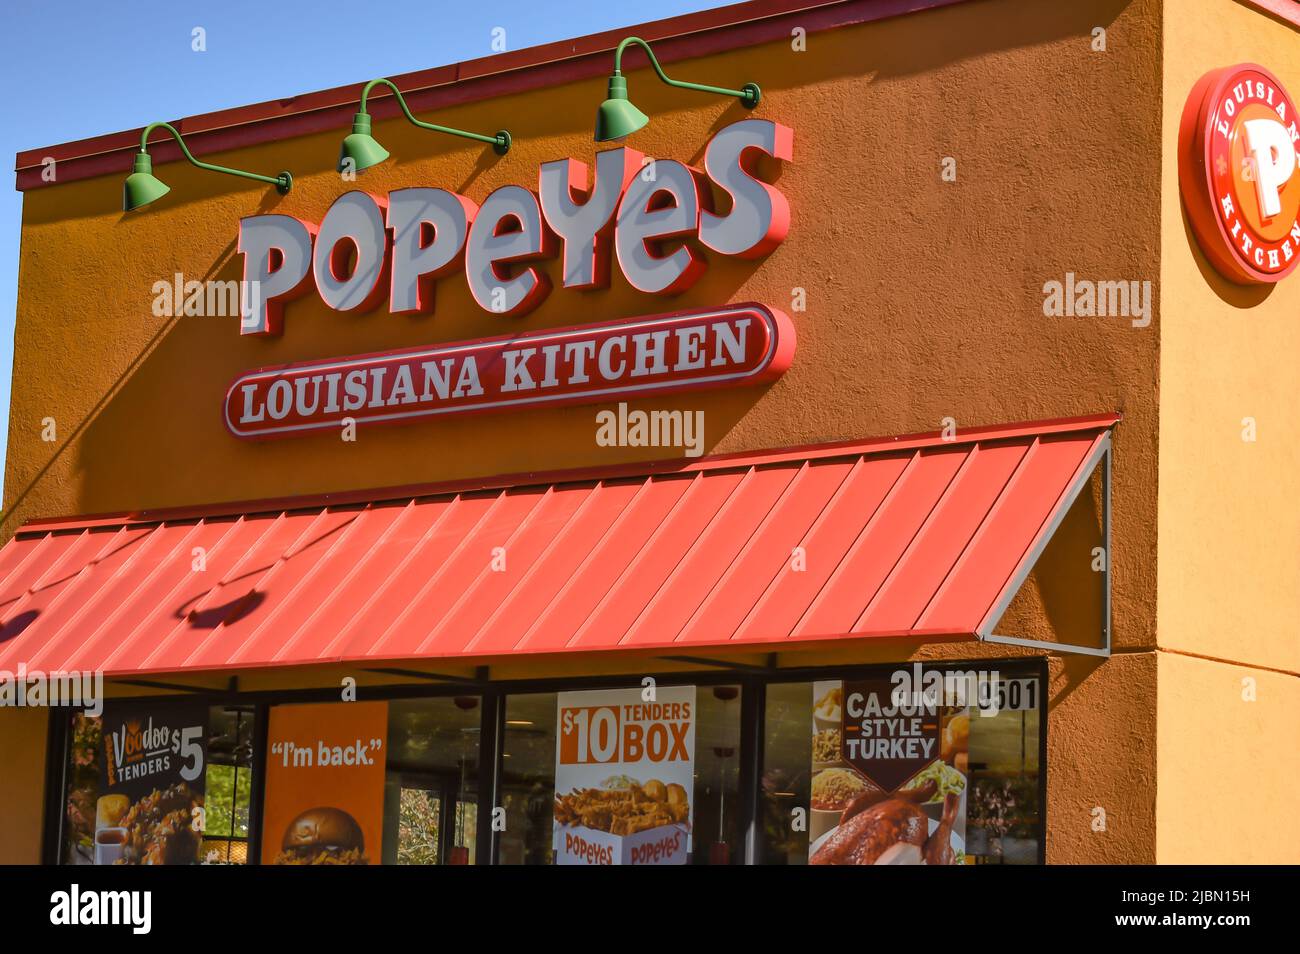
[1240, 172]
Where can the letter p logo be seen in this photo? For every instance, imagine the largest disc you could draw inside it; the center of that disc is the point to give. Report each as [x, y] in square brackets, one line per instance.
[1269, 144]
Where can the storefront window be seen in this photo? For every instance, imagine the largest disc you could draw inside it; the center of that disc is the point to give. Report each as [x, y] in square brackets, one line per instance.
[431, 783]
[620, 797]
[528, 780]
[717, 777]
[854, 768]
[853, 774]
[375, 782]
[1005, 824]
[787, 768]
[229, 785]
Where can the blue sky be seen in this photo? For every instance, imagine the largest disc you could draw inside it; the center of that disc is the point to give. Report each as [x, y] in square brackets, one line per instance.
[79, 70]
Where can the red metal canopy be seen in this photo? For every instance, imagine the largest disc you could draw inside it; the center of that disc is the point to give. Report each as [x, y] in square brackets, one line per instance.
[911, 537]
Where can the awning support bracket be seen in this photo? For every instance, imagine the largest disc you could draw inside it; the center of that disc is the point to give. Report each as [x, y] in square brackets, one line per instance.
[1101, 457]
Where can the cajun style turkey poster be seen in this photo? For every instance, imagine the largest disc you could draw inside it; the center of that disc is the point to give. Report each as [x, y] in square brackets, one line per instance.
[887, 779]
[150, 806]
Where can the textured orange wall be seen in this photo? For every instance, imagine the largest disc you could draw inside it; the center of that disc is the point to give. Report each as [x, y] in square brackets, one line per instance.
[924, 302]
[22, 805]
[1229, 576]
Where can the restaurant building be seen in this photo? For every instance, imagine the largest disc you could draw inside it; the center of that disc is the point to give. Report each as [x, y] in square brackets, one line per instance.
[892, 465]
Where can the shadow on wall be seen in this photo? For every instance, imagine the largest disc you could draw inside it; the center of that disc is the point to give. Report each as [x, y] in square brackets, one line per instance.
[1238, 296]
[80, 431]
[1061, 601]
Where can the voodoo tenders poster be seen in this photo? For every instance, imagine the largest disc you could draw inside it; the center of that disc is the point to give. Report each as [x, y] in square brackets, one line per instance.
[150, 806]
[325, 767]
[624, 776]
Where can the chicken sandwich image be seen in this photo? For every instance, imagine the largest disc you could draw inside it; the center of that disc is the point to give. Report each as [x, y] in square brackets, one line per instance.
[323, 836]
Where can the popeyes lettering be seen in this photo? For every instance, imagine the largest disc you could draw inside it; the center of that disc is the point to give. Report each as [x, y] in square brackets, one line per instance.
[659, 850]
[589, 853]
[369, 247]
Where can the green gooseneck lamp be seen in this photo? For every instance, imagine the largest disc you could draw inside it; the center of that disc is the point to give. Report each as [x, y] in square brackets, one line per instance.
[364, 151]
[617, 117]
[142, 186]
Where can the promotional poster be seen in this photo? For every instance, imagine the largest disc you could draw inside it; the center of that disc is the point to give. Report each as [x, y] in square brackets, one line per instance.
[623, 777]
[150, 806]
[889, 775]
[325, 784]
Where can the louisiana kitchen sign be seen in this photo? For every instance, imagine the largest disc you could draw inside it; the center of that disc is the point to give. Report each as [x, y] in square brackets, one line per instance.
[652, 219]
[743, 344]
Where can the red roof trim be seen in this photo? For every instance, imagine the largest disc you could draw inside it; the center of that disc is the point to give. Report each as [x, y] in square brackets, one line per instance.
[718, 650]
[1288, 11]
[675, 465]
[676, 38]
[920, 543]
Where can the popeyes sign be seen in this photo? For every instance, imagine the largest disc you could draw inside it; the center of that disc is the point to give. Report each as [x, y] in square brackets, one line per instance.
[1239, 168]
[654, 218]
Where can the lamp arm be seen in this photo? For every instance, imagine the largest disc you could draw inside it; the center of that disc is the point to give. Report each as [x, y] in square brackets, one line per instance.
[501, 139]
[281, 182]
[749, 95]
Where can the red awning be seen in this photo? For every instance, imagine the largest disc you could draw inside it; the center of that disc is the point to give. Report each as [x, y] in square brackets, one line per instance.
[911, 537]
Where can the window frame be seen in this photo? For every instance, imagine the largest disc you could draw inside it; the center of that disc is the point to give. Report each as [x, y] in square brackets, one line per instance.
[753, 682]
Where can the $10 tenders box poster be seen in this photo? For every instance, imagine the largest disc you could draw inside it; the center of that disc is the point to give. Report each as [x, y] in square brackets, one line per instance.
[624, 775]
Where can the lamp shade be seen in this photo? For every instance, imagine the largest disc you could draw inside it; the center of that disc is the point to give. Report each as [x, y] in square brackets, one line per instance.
[141, 186]
[361, 147]
[617, 117]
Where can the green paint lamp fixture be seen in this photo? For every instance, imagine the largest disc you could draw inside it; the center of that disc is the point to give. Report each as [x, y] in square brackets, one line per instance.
[361, 150]
[142, 186]
[617, 117]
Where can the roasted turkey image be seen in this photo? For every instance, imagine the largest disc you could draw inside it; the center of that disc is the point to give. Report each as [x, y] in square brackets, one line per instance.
[938, 849]
[867, 831]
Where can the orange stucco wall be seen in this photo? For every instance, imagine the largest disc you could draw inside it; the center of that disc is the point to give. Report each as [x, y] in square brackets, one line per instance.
[1229, 573]
[22, 798]
[924, 301]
